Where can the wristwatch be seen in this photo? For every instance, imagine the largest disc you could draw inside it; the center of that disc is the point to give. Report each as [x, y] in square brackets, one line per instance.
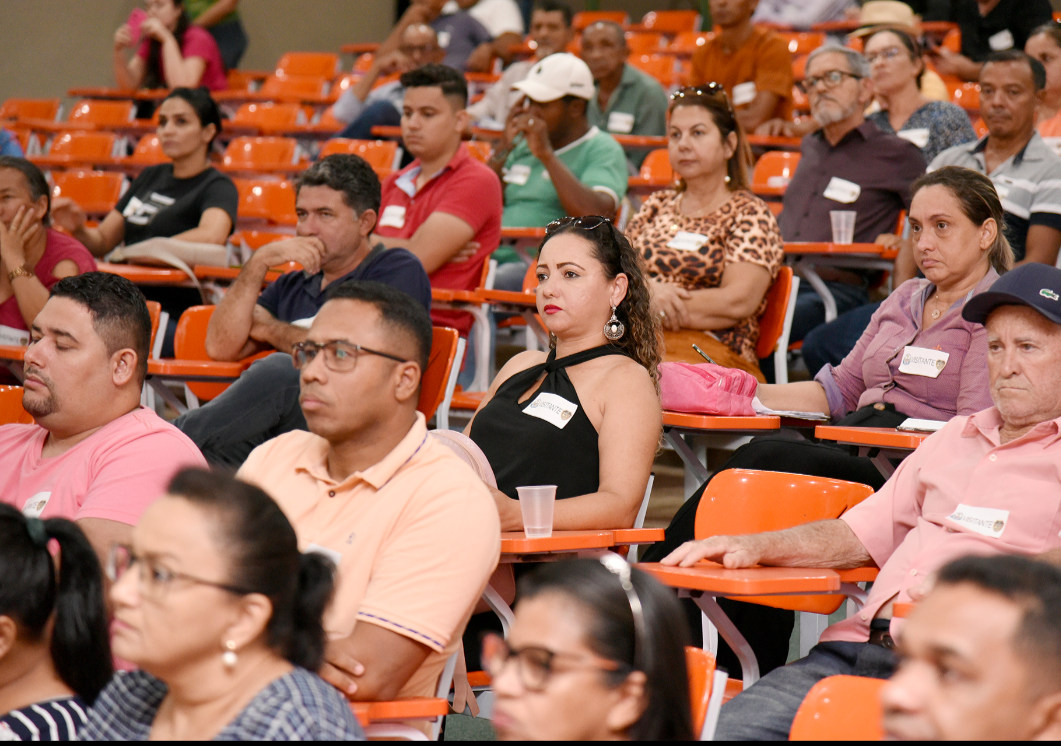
[18, 272]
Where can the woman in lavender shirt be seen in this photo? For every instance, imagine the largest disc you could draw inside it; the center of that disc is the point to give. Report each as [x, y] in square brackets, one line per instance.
[918, 358]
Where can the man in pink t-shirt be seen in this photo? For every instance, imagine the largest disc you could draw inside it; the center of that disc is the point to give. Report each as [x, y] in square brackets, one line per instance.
[445, 207]
[989, 483]
[94, 456]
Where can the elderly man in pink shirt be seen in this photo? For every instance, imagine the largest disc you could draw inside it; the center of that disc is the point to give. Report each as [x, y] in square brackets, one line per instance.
[94, 455]
[989, 483]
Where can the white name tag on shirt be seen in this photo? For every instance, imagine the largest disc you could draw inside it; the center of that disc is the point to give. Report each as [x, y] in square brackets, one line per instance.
[16, 337]
[556, 410]
[685, 241]
[1002, 40]
[444, 38]
[517, 174]
[985, 521]
[620, 121]
[393, 217]
[36, 505]
[842, 190]
[304, 323]
[331, 554]
[744, 93]
[918, 137]
[920, 361]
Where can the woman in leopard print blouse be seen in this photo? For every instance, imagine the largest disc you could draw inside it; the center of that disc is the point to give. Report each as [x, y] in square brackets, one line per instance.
[711, 246]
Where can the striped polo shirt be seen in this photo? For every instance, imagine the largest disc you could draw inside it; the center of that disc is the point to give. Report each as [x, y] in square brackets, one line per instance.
[1028, 184]
[53, 720]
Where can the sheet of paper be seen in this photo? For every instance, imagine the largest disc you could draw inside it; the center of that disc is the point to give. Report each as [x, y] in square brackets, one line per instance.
[761, 408]
[921, 426]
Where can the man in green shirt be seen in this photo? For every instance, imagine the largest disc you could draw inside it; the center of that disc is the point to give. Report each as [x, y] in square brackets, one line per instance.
[552, 161]
[627, 101]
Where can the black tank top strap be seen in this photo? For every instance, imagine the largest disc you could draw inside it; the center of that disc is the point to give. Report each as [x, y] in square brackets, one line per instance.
[552, 364]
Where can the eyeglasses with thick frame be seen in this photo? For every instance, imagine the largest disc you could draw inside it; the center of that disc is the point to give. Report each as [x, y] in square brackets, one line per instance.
[535, 665]
[339, 356]
[155, 580]
[888, 53]
[831, 79]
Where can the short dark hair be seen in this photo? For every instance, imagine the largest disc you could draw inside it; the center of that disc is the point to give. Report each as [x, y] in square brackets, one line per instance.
[346, 173]
[202, 103]
[618, 31]
[451, 81]
[35, 181]
[1016, 55]
[399, 310]
[1031, 584]
[119, 312]
[555, 6]
[263, 555]
[66, 590]
[611, 633]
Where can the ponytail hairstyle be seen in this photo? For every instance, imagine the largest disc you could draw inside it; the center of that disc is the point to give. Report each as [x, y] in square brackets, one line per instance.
[979, 202]
[712, 97]
[36, 589]
[153, 77]
[263, 558]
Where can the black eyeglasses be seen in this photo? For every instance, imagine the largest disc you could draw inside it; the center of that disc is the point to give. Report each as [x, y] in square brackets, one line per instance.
[339, 356]
[536, 665]
[831, 79]
[712, 89]
[584, 223]
[155, 580]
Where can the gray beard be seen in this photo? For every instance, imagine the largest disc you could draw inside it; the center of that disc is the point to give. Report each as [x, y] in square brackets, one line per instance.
[827, 117]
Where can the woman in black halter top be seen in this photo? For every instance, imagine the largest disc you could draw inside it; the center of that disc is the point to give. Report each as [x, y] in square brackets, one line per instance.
[586, 417]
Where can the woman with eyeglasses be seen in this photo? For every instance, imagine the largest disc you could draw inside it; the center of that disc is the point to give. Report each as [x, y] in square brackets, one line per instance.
[596, 653]
[712, 248]
[222, 613]
[54, 654]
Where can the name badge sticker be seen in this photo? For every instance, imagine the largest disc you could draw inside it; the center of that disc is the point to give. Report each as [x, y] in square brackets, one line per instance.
[517, 174]
[920, 361]
[1002, 40]
[984, 521]
[744, 93]
[685, 241]
[842, 190]
[14, 337]
[556, 410]
[393, 217]
[918, 137]
[36, 505]
[620, 121]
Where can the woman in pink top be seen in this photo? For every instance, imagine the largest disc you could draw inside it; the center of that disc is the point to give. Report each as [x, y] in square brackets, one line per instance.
[172, 52]
[1045, 45]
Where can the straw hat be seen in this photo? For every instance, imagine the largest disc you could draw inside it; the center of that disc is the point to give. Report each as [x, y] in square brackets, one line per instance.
[876, 13]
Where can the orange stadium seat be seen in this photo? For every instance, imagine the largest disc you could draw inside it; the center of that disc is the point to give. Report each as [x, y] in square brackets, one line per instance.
[97, 192]
[688, 42]
[266, 201]
[382, 155]
[362, 63]
[262, 154]
[479, 149]
[840, 708]
[672, 21]
[659, 66]
[799, 67]
[295, 87]
[79, 148]
[656, 171]
[439, 365]
[803, 42]
[644, 43]
[965, 95]
[589, 17]
[148, 152]
[11, 410]
[270, 116]
[314, 64]
[773, 171]
[189, 343]
[103, 113]
[31, 108]
[772, 320]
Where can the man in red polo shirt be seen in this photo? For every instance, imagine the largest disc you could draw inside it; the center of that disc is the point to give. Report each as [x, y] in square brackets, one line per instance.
[445, 200]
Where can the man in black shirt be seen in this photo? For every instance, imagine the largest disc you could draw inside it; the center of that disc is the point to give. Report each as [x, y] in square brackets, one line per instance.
[987, 26]
[337, 201]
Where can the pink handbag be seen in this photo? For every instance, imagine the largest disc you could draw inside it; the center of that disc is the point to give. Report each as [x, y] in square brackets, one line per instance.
[706, 389]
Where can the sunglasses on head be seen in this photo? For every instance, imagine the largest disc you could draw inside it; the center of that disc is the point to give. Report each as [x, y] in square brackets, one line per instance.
[712, 89]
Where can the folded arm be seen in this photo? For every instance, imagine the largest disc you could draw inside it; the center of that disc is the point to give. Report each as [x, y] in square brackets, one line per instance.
[373, 663]
[441, 237]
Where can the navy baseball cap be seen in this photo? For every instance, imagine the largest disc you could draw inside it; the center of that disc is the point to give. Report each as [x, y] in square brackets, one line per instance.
[1037, 286]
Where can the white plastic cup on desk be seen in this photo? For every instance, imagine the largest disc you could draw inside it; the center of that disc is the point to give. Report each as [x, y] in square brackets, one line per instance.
[843, 226]
[536, 505]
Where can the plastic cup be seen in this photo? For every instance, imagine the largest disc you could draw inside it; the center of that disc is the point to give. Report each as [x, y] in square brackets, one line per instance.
[536, 505]
[843, 226]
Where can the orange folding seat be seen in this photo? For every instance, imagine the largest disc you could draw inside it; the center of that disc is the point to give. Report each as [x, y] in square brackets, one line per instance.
[672, 21]
[643, 43]
[262, 154]
[269, 201]
[270, 116]
[79, 148]
[479, 149]
[655, 171]
[803, 42]
[965, 95]
[659, 66]
[840, 708]
[148, 152]
[103, 113]
[688, 42]
[773, 171]
[97, 192]
[382, 155]
[589, 17]
[31, 108]
[314, 64]
[439, 365]
[11, 410]
[295, 87]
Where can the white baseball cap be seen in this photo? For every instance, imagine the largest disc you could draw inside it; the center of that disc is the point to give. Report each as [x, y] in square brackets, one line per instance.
[556, 76]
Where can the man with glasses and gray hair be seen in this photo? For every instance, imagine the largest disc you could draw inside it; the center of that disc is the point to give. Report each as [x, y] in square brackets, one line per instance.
[413, 531]
[850, 165]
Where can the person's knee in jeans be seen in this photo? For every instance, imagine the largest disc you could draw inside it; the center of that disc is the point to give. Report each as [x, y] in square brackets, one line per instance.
[378, 114]
[509, 276]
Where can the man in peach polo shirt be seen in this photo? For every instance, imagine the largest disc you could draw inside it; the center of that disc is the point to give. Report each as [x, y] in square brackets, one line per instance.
[413, 531]
[985, 484]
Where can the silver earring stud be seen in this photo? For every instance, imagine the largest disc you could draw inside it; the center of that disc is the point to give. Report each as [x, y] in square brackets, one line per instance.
[614, 329]
[229, 657]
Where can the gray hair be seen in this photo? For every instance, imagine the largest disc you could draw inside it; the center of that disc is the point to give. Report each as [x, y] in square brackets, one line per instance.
[619, 31]
[856, 63]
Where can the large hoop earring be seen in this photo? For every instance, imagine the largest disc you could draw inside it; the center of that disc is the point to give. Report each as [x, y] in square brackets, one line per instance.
[614, 329]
